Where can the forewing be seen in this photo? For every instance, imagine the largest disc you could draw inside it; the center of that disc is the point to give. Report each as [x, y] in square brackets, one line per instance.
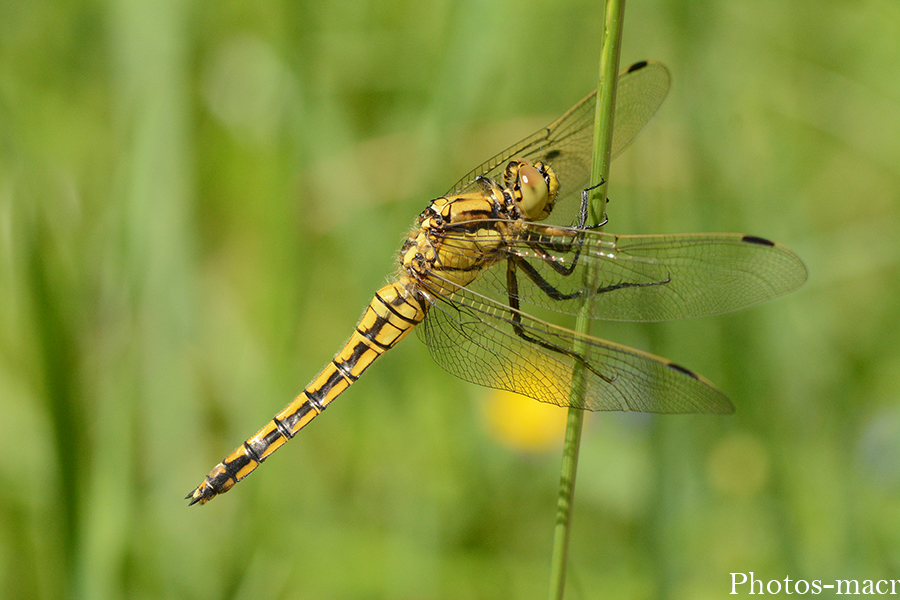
[635, 278]
[566, 144]
[477, 340]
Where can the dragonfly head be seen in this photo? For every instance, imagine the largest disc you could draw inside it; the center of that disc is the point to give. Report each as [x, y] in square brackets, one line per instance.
[534, 187]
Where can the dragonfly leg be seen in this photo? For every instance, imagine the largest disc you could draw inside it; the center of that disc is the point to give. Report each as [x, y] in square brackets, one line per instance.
[546, 287]
[601, 223]
[585, 203]
[622, 286]
[544, 248]
[539, 281]
[513, 291]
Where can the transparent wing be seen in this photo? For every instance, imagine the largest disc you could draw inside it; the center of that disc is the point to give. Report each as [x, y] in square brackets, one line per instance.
[566, 143]
[635, 277]
[485, 342]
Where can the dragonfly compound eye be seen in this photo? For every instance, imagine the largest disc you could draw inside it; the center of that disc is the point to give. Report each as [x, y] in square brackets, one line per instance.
[534, 193]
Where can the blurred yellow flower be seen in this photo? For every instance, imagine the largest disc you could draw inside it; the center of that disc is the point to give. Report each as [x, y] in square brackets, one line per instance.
[522, 424]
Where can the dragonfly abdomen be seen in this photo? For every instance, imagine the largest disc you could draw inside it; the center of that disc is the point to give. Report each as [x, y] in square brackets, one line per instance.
[391, 314]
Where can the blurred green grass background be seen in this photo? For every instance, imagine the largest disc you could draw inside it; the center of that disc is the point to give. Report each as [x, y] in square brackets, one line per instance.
[198, 199]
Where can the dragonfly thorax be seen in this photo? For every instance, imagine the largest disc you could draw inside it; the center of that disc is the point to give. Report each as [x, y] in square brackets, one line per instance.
[459, 235]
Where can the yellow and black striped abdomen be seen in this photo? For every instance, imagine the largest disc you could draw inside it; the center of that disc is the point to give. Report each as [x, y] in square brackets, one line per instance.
[391, 314]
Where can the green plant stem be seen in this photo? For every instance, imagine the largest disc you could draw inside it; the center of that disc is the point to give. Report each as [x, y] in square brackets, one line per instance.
[603, 128]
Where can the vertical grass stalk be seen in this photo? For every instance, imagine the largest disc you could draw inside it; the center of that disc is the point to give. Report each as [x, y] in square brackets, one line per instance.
[603, 128]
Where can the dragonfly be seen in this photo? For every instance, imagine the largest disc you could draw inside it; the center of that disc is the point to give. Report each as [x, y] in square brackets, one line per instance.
[510, 240]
